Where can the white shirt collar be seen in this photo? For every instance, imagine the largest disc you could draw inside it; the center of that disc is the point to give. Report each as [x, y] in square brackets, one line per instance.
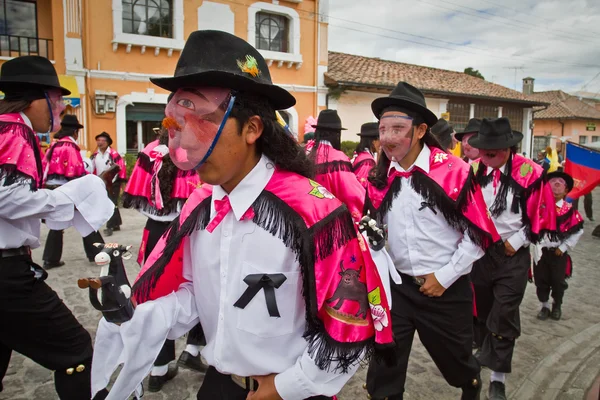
[327, 142]
[502, 169]
[560, 203]
[422, 161]
[72, 139]
[26, 120]
[248, 190]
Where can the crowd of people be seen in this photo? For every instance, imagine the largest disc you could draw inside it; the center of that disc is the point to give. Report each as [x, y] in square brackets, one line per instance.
[353, 255]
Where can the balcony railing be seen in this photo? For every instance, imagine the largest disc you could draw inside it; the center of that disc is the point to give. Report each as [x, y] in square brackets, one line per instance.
[16, 46]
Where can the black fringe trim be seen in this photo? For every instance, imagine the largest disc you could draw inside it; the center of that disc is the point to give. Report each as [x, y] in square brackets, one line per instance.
[26, 133]
[144, 162]
[12, 176]
[361, 162]
[561, 236]
[386, 204]
[198, 219]
[59, 176]
[142, 203]
[60, 144]
[333, 166]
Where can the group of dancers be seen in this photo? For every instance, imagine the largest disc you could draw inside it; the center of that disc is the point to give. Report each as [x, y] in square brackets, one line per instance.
[353, 256]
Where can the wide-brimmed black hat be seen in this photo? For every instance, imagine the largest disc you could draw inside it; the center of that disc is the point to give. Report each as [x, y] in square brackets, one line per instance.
[106, 136]
[406, 96]
[220, 59]
[70, 121]
[495, 134]
[442, 130]
[560, 174]
[370, 129]
[472, 127]
[329, 120]
[29, 72]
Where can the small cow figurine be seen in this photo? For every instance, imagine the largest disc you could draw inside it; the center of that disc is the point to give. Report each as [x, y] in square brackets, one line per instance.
[111, 291]
[351, 288]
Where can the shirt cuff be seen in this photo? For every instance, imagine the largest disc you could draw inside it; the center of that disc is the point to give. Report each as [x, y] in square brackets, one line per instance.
[563, 247]
[290, 385]
[446, 275]
[516, 240]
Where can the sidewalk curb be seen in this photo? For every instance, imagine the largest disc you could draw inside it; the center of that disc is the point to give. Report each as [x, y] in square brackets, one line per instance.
[552, 373]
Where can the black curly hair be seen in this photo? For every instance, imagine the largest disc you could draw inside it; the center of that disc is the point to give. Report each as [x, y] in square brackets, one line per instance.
[168, 171]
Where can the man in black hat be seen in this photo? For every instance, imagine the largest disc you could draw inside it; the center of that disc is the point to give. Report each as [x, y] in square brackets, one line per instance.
[366, 151]
[107, 160]
[333, 168]
[33, 320]
[63, 164]
[263, 226]
[470, 153]
[552, 262]
[437, 227]
[522, 207]
[444, 133]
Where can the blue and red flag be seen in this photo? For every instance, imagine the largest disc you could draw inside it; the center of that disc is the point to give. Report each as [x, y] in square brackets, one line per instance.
[583, 164]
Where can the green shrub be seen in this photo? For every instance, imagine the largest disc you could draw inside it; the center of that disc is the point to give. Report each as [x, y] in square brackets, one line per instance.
[348, 147]
[130, 160]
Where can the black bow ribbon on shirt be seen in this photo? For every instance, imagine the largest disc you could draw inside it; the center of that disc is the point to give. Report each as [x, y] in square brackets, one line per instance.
[256, 282]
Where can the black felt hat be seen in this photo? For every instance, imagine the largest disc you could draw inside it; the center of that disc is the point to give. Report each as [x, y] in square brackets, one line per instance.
[70, 121]
[106, 136]
[220, 59]
[472, 127]
[560, 174]
[406, 96]
[495, 134]
[329, 120]
[370, 129]
[27, 72]
[442, 130]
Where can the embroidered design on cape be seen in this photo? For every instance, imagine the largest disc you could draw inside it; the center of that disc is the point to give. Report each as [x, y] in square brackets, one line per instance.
[319, 191]
[250, 66]
[475, 166]
[378, 312]
[525, 170]
[440, 157]
[351, 295]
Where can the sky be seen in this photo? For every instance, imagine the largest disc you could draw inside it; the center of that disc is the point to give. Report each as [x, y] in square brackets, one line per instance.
[555, 42]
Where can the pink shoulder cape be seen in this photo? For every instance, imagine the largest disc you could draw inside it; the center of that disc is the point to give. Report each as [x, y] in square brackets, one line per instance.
[450, 185]
[319, 229]
[143, 188]
[333, 170]
[20, 153]
[568, 220]
[64, 161]
[531, 194]
[117, 159]
[362, 165]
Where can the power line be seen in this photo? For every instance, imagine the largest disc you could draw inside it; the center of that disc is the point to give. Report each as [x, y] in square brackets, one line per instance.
[590, 81]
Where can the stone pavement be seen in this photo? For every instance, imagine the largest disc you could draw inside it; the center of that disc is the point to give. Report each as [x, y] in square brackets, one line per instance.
[553, 360]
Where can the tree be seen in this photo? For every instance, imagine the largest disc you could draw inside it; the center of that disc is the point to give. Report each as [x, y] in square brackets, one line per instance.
[474, 72]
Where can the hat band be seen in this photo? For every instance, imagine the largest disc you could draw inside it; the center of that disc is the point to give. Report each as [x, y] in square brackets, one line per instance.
[29, 94]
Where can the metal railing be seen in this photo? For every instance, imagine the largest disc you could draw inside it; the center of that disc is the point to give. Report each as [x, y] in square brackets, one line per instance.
[15, 46]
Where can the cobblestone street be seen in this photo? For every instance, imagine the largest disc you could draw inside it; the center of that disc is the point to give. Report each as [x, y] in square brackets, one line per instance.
[553, 360]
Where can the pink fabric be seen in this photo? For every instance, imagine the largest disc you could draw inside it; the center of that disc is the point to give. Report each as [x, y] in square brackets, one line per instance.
[222, 207]
[496, 179]
[310, 121]
[571, 222]
[15, 149]
[157, 156]
[343, 184]
[143, 244]
[66, 160]
[362, 165]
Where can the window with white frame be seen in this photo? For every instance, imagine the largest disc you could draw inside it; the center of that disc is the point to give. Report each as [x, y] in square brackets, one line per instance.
[582, 139]
[148, 17]
[272, 32]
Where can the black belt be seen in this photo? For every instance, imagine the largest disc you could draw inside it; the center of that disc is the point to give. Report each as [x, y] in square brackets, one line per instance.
[417, 280]
[21, 251]
[245, 382]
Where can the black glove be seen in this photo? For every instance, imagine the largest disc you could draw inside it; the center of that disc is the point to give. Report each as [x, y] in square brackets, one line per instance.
[376, 236]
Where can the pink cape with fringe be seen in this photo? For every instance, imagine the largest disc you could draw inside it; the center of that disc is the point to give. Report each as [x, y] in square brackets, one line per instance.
[362, 164]
[17, 154]
[64, 160]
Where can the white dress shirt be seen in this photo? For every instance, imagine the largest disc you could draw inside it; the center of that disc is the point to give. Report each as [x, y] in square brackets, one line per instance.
[566, 245]
[101, 161]
[248, 341]
[422, 242]
[508, 224]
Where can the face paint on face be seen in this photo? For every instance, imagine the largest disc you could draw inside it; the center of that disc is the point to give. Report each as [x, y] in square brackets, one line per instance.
[194, 120]
[57, 106]
[559, 187]
[395, 135]
[471, 152]
[494, 158]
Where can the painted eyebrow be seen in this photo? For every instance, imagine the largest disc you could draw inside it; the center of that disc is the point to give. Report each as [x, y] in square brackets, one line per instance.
[197, 93]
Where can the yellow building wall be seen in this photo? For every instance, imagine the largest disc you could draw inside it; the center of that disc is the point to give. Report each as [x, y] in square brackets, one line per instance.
[573, 130]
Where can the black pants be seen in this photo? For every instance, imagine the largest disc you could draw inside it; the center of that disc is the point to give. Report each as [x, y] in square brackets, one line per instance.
[217, 386]
[54, 245]
[550, 276]
[444, 325]
[113, 194]
[37, 324]
[500, 283]
[587, 205]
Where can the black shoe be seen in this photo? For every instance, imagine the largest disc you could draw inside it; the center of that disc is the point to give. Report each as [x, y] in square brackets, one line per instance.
[155, 383]
[472, 391]
[188, 361]
[543, 314]
[116, 228]
[497, 391]
[556, 312]
[53, 264]
[592, 219]
[108, 231]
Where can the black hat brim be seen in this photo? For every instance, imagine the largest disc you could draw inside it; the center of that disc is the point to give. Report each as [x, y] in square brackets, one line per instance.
[378, 105]
[74, 126]
[278, 97]
[21, 84]
[560, 174]
[369, 134]
[459, 136]
[105, 136]
[329, 128]
[495, 143]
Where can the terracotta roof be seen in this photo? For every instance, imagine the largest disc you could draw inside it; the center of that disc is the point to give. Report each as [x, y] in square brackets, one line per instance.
[358, 71]
[563, 106]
